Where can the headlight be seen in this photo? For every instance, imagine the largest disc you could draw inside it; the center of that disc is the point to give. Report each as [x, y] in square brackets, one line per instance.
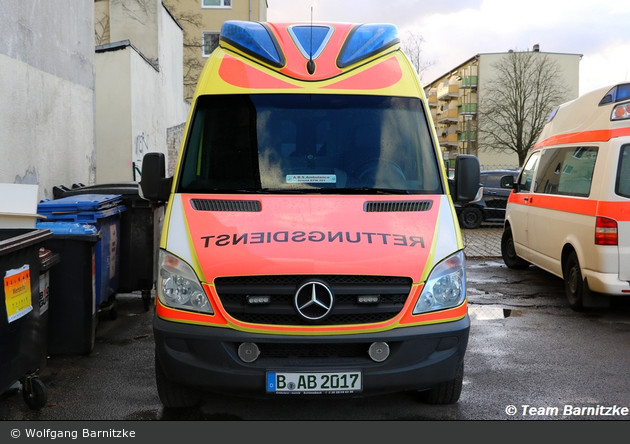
[445, 287]
[179, 287]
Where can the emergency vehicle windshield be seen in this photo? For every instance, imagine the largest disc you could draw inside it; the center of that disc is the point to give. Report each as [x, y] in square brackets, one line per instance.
[279, 143]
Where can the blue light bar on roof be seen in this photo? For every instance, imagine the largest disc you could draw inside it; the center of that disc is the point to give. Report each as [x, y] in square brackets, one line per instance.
[311, 39]
[254, 39]
[616, 94]
[367, 40]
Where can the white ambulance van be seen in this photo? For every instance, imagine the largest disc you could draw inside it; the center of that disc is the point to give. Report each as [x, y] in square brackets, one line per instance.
[310, 244]
[569, 210]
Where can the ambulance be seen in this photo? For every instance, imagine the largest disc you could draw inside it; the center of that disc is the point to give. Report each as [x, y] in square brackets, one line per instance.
[569, 209]
[310, 245]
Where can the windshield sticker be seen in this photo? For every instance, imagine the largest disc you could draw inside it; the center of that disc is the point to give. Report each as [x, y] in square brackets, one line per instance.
[402, 240]
[311, 178]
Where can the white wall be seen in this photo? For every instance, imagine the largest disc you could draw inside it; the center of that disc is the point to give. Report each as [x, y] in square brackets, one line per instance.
[137, 99]
[47, 98]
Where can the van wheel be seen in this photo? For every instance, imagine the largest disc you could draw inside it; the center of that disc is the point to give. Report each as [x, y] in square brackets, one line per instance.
[445, 392]
[574, 283]
[508, 252]
[471, 217]
[171, 394]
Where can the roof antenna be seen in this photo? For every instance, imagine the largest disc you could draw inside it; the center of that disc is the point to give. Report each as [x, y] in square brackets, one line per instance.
[310, 65]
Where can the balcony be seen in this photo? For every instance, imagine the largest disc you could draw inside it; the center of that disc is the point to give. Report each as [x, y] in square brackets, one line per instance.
[447, 116]
[468, 82]
[433, 100]
[467, 108]
[449, 140]
[449, 92]
[467, 136]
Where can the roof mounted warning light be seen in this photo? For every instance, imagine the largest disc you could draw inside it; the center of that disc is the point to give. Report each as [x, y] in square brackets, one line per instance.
[365, 41]
[254, 39]
[616, 94]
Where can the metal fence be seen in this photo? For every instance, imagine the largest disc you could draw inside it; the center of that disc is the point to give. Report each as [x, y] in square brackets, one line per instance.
[483, 242]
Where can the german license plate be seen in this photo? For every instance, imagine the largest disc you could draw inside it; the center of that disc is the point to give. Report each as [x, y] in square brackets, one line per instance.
[314, 383]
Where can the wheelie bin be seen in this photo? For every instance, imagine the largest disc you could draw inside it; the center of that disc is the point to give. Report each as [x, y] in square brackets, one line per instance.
[140, 228]
[73, 313]
[103, 212]
[23, 324]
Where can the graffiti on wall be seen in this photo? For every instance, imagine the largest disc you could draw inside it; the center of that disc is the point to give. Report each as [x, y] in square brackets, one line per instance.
[140, 148]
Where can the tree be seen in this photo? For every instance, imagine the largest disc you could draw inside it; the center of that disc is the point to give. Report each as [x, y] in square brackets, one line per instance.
[193, 63]
[517, 101]
[411, 45]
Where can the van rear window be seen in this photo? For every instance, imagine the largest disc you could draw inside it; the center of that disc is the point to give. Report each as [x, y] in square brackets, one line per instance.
[309, 143]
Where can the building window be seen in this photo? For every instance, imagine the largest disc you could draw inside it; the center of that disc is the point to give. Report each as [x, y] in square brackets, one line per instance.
[210, 41]
[216, 3]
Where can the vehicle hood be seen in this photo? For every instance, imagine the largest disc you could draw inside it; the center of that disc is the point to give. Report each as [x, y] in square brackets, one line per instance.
[306, 234]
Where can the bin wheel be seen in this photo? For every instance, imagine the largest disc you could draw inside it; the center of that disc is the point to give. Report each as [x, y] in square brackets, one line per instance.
[113, 311]
[146, 299]
[34, 393]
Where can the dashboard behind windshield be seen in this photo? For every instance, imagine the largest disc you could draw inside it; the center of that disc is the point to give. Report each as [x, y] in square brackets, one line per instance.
[309, 143]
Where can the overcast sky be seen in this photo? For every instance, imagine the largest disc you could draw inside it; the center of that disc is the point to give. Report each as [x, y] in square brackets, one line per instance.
[456, 30]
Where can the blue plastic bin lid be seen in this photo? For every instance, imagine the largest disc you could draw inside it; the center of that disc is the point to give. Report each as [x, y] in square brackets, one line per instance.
[80, 202]
[71, 230]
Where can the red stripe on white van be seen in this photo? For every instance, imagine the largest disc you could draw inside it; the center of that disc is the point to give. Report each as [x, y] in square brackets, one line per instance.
[619, 211]
[584, 137]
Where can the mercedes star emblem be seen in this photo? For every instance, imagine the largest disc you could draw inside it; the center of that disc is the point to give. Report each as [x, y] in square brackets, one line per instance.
[314, 301]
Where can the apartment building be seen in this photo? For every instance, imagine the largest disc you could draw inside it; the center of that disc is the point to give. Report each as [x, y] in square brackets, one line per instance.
[202, 21]
[454, 99]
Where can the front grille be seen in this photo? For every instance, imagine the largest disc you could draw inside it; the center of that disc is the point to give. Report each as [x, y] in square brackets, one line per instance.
[392, 291]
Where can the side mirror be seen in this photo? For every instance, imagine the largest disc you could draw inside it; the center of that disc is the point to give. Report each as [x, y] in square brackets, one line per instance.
[154, 185]
[509, 182]
[467, 178]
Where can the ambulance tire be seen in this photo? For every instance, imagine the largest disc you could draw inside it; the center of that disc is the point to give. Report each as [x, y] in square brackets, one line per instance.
[508, 252]
[173, 395]
[574, 285]
[471, 217]
[446, 392]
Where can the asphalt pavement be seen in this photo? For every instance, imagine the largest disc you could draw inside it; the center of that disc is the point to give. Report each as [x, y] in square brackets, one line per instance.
[526, 348]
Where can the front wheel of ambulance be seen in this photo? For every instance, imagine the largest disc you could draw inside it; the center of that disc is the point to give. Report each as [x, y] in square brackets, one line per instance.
[508, 252]
[446, 392]
[574, 283]
[171, 394]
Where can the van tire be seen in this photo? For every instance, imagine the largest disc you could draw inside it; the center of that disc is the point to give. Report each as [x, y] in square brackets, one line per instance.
[574, 285]
[447, 392]
[508, 252]
[471, 217]
[171, 394]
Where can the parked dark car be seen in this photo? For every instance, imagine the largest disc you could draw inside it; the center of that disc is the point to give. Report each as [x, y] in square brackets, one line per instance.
[491, 208]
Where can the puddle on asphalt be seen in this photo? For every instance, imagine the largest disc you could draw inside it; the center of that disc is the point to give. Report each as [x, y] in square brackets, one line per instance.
[487, 312]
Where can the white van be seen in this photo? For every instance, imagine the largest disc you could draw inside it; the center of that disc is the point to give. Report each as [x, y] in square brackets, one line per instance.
[310, 244]
[569, 211]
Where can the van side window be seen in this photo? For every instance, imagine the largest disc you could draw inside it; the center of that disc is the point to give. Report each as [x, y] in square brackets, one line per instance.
[527, 175]
[567, 171]
[622, 186]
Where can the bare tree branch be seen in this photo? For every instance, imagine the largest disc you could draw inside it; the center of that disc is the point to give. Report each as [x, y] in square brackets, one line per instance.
[411, 45]
[514, 110]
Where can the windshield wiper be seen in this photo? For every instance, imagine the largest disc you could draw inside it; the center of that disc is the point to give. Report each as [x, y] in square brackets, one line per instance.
[367, 190]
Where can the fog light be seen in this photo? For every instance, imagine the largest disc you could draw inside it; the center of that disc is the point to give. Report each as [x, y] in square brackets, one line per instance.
[248, 352]
[369, 299]
[258, 300]
[379, 351]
